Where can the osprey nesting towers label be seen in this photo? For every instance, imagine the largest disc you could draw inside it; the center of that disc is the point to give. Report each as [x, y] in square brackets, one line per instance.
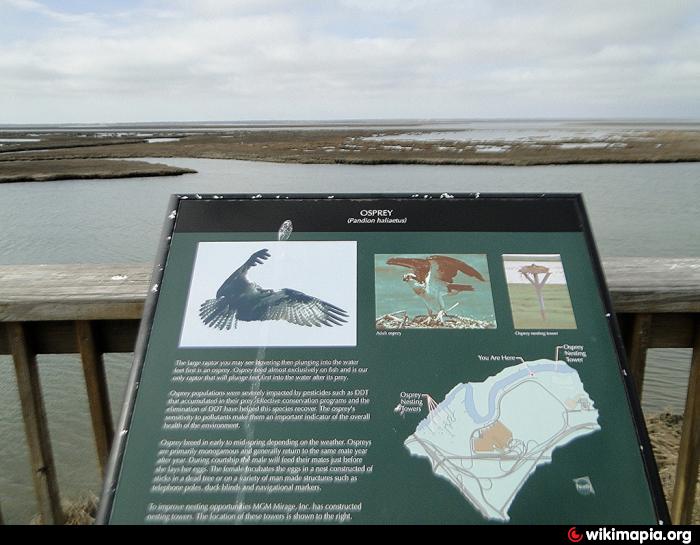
[380, 359]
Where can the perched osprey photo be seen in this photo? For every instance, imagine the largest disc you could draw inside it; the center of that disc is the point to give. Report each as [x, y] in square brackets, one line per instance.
[432, 278]
[240, 299]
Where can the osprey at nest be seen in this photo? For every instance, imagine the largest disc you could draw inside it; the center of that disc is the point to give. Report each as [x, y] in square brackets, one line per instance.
[432, 279]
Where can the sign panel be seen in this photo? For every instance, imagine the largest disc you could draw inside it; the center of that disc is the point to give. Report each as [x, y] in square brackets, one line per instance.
[418, 359]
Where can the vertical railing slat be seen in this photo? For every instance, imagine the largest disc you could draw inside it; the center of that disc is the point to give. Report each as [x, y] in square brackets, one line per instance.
[35, 425]
[689, 451]
[637, 345]
[97, 392]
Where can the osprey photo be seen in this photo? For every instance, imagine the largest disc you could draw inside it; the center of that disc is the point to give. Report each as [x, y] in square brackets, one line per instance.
[240, 299]
[272, 293]
[446, 291]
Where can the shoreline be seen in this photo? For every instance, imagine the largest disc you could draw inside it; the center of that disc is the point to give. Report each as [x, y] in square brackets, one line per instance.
[665, 434]
[85, 169]
[68, 155]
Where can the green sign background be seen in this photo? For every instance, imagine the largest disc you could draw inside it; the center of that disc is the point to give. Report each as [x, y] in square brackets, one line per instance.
[403, 488]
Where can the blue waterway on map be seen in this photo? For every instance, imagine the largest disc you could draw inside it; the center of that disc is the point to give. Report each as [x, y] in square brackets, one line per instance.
[501, 385]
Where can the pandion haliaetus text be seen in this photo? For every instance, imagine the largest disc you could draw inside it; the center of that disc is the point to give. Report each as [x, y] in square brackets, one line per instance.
[240, 299]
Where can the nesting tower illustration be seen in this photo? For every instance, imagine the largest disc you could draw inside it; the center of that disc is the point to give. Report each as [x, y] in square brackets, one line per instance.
[537, 275]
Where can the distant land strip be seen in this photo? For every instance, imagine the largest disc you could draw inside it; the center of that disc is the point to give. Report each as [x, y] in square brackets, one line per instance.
[70, 169]
[71, 151]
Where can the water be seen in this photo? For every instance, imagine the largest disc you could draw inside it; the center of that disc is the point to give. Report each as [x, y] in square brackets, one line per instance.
[69, 427]
[534, 132]
[528, 133]
[636, 210]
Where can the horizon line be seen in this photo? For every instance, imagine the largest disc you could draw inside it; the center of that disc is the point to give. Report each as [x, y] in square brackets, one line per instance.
[350, 121]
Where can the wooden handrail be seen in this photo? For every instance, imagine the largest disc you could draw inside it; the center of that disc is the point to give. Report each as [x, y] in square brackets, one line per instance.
[95, 309]
[117, 292]
[72, 292]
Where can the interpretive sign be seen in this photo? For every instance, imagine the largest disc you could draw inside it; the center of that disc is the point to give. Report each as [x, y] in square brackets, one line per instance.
[380, 359]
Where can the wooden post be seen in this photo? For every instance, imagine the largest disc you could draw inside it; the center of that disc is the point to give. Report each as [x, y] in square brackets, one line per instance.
[98, 395]
[35, 425]
[540, 299]
[689, 451]
[532, 274]
[637, 344]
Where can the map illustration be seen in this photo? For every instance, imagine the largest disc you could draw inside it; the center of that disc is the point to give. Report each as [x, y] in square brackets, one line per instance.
[487, 438]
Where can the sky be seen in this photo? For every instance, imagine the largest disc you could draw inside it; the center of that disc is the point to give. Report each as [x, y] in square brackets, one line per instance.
[212, 60]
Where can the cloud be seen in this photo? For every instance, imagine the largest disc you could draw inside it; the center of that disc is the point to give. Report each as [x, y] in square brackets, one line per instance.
[298, 59]
[38, 8]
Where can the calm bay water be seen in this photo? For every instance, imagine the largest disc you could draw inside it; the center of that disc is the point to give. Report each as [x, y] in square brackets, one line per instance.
[636, 210]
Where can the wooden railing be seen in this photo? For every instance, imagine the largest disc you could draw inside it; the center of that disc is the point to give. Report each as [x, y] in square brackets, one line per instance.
[92, 310]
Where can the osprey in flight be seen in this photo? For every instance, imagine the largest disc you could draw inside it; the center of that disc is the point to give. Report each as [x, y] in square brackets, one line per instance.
[432, 278]
[240, 299]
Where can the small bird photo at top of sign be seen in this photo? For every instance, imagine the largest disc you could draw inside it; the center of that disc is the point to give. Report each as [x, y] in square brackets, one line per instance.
[272, 293]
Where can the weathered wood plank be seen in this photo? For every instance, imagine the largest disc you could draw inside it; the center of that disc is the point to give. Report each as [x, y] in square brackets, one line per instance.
[73, 310]
[35, 425]
[58, 337]
[668, 330]
[96, 385]
[650, 284]
[637, 344]
[689, 451]
[72, 292]
[99, 292]
[671, 330]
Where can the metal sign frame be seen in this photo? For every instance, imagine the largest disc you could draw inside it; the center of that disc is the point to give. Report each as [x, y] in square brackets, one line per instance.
[173, 215]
